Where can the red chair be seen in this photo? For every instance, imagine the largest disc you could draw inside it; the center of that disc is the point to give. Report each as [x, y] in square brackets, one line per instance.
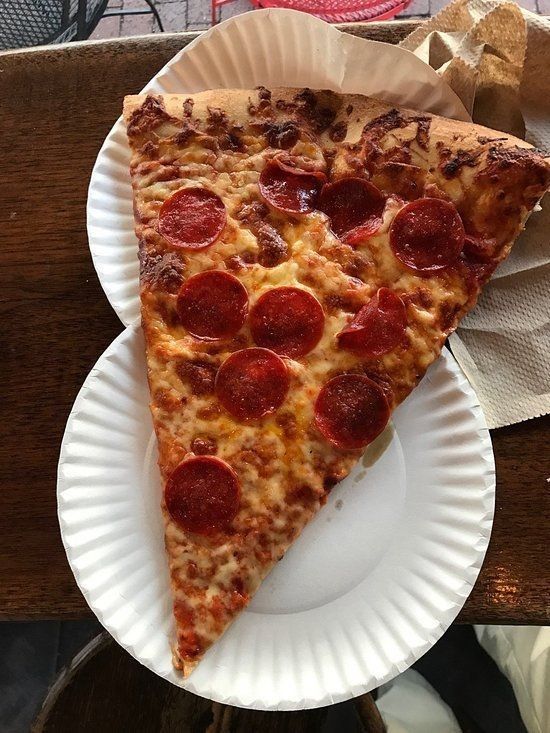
[333, 11]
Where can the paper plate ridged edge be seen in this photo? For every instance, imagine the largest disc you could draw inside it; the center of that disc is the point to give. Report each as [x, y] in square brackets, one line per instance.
[271, 47]
[311, 659]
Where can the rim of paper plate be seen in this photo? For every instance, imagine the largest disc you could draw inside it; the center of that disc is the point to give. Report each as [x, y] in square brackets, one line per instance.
[292, 35]
[429, 523]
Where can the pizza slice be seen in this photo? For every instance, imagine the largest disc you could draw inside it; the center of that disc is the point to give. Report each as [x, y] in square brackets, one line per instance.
[304, 256]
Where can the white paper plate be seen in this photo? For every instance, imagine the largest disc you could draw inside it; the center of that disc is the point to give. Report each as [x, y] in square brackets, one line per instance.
[369, 586]
[273, 47]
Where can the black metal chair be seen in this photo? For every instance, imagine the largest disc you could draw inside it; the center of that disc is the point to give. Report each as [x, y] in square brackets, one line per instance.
[39, 22]
[136, 11]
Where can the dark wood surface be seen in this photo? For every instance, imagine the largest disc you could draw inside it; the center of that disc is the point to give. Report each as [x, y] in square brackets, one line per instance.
[58, 103]
[103, 671]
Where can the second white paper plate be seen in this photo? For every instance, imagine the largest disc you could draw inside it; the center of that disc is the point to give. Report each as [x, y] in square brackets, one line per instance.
[369, 586]
[272, 47]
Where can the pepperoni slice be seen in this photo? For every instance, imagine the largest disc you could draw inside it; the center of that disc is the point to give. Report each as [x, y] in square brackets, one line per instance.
[252, 383]
[289, 321]
[192, 218]
[212, 305]
[351, 410]
[289, 189]
[427, 235]
[377, 328]
[354, 207]
[202, 495]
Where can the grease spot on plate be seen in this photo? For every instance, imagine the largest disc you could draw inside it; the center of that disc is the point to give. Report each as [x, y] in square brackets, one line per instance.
[377, 447]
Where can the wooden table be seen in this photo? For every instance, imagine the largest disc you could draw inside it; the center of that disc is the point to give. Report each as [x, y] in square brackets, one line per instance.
[58, 103]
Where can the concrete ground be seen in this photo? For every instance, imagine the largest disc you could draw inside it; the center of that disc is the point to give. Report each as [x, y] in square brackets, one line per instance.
[194, 15]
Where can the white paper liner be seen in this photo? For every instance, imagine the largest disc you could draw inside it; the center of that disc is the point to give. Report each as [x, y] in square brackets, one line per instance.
[272, 47]
[370, 586]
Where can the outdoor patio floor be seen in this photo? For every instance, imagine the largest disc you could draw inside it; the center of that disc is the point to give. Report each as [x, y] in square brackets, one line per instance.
[194, 15]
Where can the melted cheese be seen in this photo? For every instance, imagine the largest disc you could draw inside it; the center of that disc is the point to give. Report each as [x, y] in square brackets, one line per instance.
[270, 464]
[281, 456]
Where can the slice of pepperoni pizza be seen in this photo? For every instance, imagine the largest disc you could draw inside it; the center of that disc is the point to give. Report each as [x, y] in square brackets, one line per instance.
[304, 256]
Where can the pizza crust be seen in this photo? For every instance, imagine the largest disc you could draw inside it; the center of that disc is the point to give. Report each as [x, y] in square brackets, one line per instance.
[235, 103]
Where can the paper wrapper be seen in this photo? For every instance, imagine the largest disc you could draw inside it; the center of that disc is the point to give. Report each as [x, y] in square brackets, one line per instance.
[496, 57]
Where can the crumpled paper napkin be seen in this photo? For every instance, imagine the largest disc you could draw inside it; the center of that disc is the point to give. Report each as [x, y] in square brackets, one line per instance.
[496, 57]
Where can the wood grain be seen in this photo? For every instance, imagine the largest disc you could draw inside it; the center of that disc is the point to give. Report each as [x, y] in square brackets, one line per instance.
[58, 103]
